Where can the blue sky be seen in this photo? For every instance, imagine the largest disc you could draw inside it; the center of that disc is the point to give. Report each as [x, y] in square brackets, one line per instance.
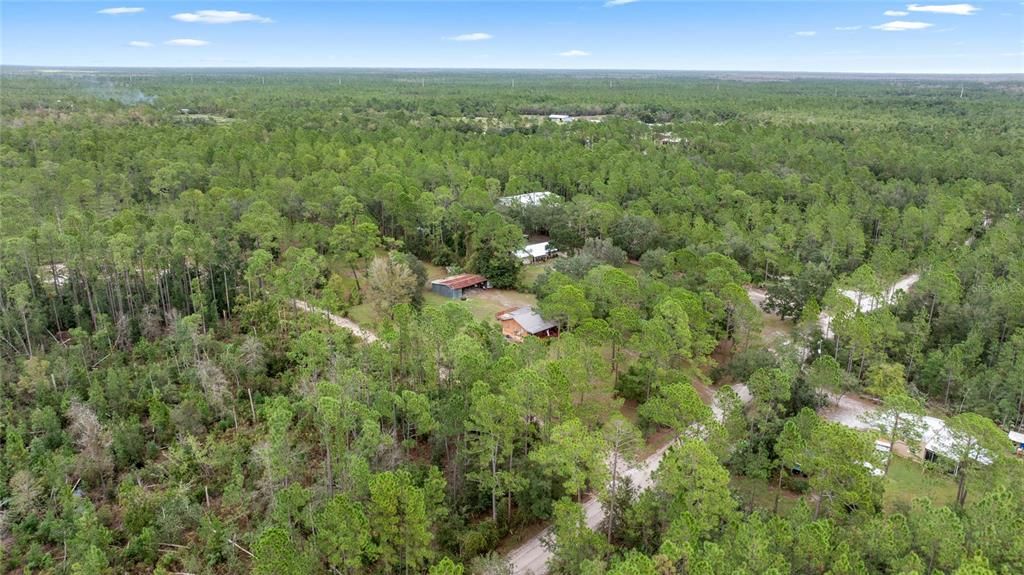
[827, 35]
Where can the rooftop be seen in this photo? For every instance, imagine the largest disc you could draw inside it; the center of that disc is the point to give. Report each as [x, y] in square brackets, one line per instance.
[461, 281]
[530, 320]
[534, 250]
[938, 437]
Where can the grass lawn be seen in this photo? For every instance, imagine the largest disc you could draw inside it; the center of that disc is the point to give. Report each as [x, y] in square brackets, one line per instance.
[363, 314]
[531, 272]
[909, 479]
[483, 304]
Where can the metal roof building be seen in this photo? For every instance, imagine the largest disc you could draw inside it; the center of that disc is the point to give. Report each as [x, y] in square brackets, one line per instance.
[536, 252]
[454, 286]
[519, 322]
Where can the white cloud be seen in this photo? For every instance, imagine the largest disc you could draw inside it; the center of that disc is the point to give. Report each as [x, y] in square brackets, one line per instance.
[574, 53]
[188, 42]
[895, 13]
[902, 26]
[120, 10]
[611, 3]
[220, 17]
[957, 9]
[140, 44]
[806, 33]
[848, 28]
[472, 37]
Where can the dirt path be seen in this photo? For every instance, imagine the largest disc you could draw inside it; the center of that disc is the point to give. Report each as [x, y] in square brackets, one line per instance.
[868, 303]
[848, 410]
[531, 557]
[364, 334]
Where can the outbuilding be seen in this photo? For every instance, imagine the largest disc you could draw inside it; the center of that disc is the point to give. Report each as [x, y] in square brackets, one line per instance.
[454, 286]
[538, 252]
[519, 322]
[1018, 442]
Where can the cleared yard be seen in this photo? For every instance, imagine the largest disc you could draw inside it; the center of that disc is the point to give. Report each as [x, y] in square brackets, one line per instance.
[483, 304]
[909, 479]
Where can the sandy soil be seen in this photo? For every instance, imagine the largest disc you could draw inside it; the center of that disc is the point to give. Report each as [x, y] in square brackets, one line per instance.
[502, 297]
[868, 303]
[344, 323]
[848, 410]
[531, 557]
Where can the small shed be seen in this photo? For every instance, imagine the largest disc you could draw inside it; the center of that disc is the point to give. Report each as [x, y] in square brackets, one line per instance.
[538, 252]
[560, 118]
[519, 322]
[454, 286]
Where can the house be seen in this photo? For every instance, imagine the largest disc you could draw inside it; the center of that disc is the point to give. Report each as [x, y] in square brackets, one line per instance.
[454, 286]
[519, 322]
[531, 199]
[534, 253]
[560, 118]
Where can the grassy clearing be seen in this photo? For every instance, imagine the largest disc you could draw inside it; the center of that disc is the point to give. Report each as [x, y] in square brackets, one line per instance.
[909, 479]
[363, 315]
[531, 272]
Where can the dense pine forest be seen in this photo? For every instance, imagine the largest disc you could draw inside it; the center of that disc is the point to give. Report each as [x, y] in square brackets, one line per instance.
[220, 351]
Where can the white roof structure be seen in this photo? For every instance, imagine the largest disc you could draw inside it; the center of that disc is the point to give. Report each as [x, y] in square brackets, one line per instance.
[531, 199]
[940, 439]
[1016, 437]
[534, 251]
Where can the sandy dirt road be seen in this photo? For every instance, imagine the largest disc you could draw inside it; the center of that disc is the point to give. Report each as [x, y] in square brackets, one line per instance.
[868, 303]
[342, 322]
[531, 558]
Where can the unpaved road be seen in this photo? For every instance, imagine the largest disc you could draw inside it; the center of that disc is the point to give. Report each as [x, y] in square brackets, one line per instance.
[531, 558]
[342, 322]
[868, 303]
[848, 410]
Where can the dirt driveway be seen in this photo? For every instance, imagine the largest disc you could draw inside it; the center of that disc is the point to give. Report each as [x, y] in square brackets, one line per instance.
[502, 298]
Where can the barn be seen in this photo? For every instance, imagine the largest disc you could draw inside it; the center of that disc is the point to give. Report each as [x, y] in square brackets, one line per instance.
[519, 322]
[454, 286]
